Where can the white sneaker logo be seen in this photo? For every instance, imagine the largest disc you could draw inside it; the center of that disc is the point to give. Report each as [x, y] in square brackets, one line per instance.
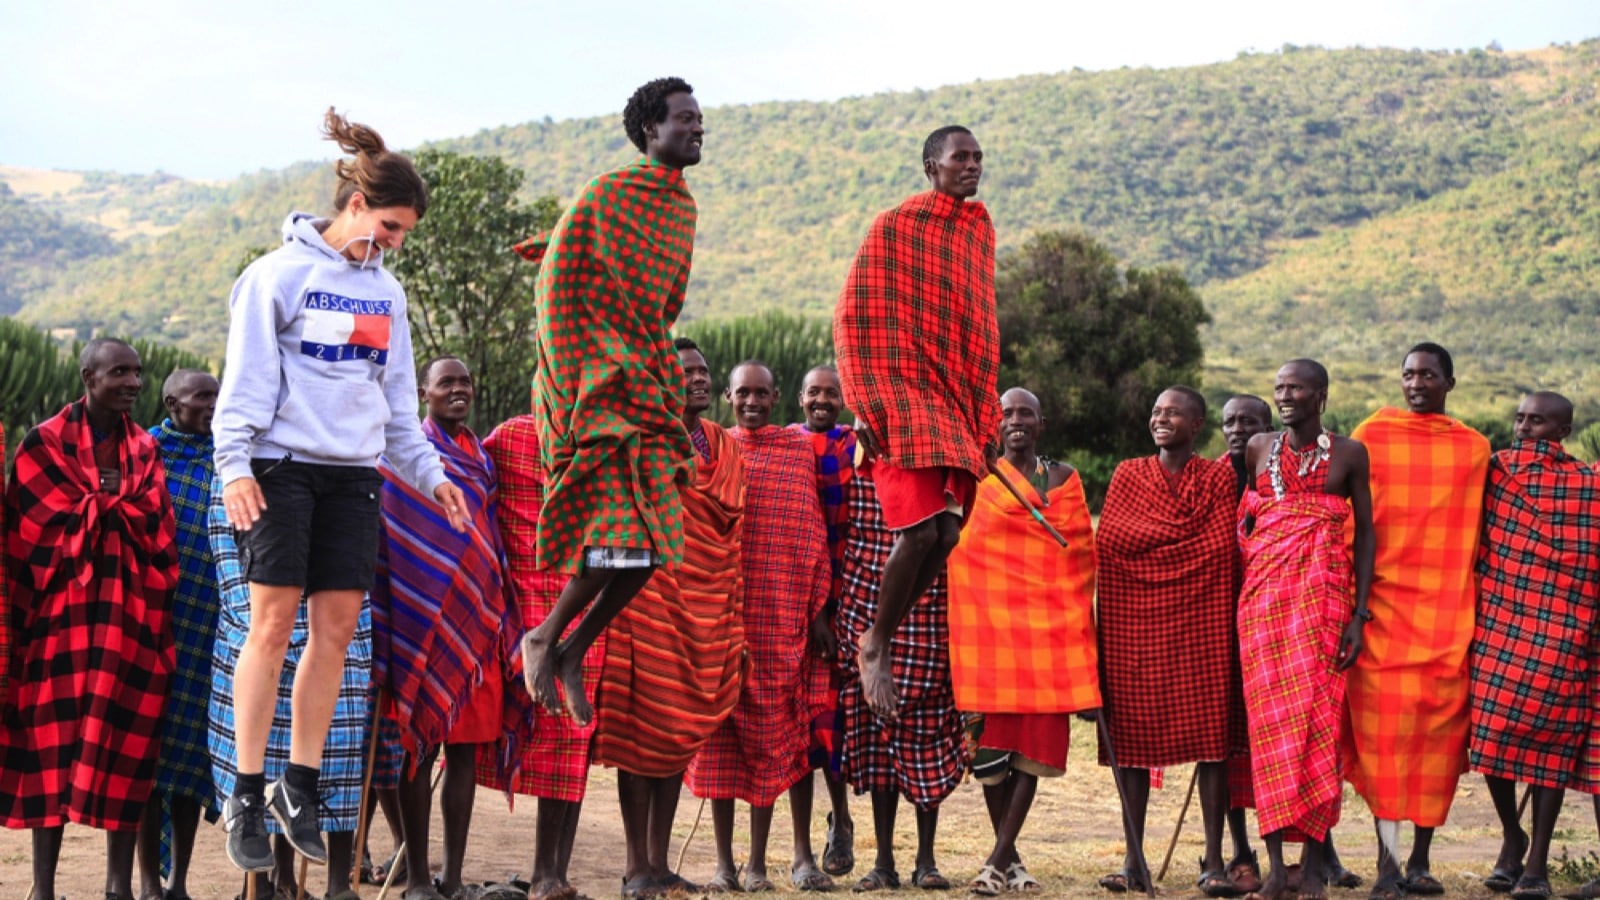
[294, 811]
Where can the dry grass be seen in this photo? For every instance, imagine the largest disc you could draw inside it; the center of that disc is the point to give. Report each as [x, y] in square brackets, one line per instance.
[1072, 838]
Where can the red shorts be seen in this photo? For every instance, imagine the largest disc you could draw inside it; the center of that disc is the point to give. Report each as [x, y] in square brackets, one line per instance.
[1041, 739]
[480, 721]
[913, 496]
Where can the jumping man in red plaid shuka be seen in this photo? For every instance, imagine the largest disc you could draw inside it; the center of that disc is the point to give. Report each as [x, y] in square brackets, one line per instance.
[919, 351]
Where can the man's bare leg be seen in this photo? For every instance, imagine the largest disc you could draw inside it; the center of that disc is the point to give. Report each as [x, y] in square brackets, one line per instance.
[915, 562]
[1009, 803]
[633, 797]
[927, 832]
[597, 593]
[1513, 839]
[885, 806]
[46, 853]
[557, 819]
[722, 835]
[760, 831]
[1421, 849]
[802, 799]
[1388, 867]
[1136, 782]
[1277, 881]
[416, 807]
[1313, 870]
[455, 805]
[120, 846]
[150, 850]
[1213, 782]
[663, 807]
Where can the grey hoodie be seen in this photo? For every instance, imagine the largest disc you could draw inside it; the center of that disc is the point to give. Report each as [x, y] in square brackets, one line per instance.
[319, 364]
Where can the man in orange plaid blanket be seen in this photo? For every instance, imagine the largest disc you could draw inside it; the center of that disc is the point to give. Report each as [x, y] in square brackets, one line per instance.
[1022, 642]
[918, 349]
[1406, 744]
[1301, 614]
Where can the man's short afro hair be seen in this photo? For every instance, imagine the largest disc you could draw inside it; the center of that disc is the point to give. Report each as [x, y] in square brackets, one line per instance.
[648, 106]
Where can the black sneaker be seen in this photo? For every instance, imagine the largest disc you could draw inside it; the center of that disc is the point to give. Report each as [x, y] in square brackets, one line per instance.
[296, 813]
[244, 818]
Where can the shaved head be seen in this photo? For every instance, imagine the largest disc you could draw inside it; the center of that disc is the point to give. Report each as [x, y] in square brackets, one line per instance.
[1020, 395]
[1543, 416]
[173, 386]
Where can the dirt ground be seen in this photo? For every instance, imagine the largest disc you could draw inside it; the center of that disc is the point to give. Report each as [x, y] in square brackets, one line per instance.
[1071, 839]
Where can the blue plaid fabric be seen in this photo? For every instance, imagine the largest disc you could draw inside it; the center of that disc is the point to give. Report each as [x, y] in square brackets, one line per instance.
[345, 751]
[184, 769]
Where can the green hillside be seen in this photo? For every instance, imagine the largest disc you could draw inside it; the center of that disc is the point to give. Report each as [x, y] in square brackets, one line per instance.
[1332, 202]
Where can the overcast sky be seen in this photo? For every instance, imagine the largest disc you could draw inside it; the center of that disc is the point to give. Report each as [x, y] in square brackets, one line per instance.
[211, 90]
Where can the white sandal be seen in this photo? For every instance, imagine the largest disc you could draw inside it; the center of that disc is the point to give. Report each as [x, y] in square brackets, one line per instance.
[989, 882]
[1021, 881]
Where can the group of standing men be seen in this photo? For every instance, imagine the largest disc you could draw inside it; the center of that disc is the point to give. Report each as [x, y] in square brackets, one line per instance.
[892, 604]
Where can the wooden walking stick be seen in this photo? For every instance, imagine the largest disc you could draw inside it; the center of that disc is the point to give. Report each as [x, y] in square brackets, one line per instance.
[1135, 846]
[1172, 844]
[300, 889]
[362, 816]
[692, 829]
[996, 471]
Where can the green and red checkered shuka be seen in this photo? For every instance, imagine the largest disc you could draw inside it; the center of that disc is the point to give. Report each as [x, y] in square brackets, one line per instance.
[608, 394]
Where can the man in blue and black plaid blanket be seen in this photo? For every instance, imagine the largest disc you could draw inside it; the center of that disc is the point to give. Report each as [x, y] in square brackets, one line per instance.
[183, 787]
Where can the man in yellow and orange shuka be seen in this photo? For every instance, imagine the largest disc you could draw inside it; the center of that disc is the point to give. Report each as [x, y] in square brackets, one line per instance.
[1407, 695]
[1022, 637]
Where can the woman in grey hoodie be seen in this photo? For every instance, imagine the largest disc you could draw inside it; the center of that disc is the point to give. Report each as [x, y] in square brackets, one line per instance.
[319, 381]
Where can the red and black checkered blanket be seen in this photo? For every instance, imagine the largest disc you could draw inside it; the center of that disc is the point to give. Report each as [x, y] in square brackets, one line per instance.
[1538, 592]
[915, 334]
[92, 576]
[1168, 569]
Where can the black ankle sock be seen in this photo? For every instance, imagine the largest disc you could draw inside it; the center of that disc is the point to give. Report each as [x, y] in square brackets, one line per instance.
[252, 785]
[301, 778]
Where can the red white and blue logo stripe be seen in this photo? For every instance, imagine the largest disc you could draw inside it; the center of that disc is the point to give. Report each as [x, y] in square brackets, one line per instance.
[340, 329]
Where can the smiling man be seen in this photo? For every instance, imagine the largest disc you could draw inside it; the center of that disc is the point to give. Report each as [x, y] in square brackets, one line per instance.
[1167, 579]
[760, 752]
[1302, 610]
[1531, 657]
[1017, 598]
[1407, 742]
[445, 627]
[606, 391]
[919, 351]
[92, 660]
[834, 446]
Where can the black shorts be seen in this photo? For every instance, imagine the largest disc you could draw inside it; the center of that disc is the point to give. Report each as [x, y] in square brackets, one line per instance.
[319, 530]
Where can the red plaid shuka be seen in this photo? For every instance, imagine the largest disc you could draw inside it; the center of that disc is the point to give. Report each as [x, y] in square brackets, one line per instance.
[835, 451]
[916, 338]
[920, 755]
[555, 759]
[608, 388]
[1539, 586]
[1168, 570]
[92, 577]
[675, 654]
[1298, 594]
[760, 751]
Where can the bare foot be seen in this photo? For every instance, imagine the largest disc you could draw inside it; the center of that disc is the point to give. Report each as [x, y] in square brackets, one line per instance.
[539, 671]
[877, 680]
[569, 670]
[1275, 887]
[551, 889]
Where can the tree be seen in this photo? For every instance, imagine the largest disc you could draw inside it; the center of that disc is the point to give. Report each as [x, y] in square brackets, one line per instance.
[789, 344]
[471, 296]
[1095, 344]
